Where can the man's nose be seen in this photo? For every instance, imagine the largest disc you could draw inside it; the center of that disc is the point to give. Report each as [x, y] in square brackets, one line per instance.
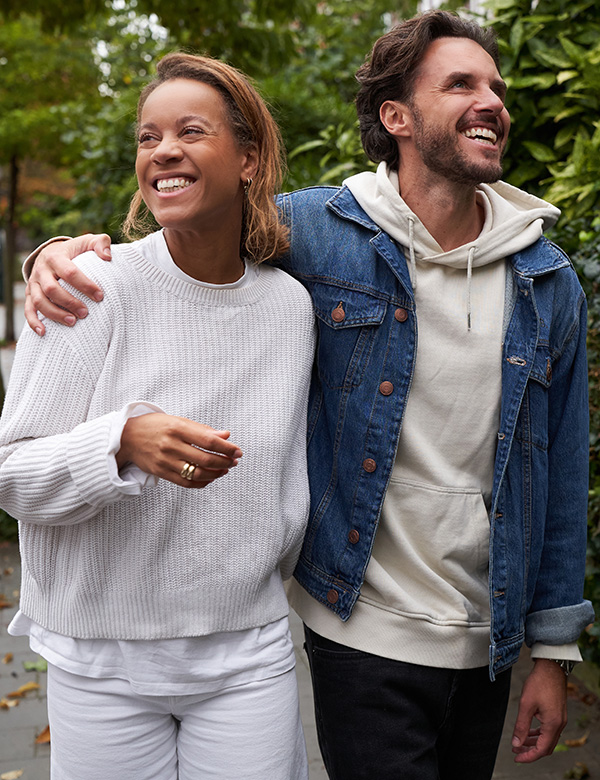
[490, 101]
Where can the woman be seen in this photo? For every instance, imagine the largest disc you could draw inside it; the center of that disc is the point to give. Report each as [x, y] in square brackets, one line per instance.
[161, 610]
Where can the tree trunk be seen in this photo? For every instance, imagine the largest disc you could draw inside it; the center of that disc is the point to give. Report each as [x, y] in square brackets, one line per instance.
[9, 254]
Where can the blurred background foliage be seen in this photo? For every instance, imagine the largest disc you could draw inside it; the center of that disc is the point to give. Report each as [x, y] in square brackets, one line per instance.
[70, 74]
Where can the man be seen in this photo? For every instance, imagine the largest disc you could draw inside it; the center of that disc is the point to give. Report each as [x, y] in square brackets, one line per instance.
[448, 467]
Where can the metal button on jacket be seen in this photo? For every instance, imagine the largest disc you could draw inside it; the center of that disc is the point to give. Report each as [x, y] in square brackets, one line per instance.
[369, 465]
[386, 388]
[338, 314]
[353, 536]
[332, 596]
[401, 315]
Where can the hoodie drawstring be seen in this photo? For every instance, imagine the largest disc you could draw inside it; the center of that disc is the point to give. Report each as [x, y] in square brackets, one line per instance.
[411, 249]
[469, 274]
[413, 266]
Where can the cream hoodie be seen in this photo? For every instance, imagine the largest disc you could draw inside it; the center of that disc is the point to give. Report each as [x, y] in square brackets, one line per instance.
[425, 596]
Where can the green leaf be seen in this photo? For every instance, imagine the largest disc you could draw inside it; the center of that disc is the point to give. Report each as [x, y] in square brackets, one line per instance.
[564, 135]
[41, 665]
[516, 36]
[539, 151]
[551, 58]
[576, 53]
[306, 147]
[566, 75]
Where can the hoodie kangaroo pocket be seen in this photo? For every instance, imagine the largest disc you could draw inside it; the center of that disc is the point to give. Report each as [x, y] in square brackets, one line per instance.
[431, 554]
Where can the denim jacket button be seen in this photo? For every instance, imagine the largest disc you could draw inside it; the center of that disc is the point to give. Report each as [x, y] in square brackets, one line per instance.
[401, 315]
[332, 596]
[353, 536]
[386, 388]
[338, 314]
[369, 465]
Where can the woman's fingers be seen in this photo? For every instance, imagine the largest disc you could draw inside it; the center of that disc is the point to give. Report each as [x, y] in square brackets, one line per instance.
[162, 445]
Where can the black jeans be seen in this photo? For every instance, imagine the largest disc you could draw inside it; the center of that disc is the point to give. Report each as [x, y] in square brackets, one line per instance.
[379, 719]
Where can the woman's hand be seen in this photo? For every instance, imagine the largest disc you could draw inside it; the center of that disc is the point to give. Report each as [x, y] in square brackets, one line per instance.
[162, 444]
[54, 262]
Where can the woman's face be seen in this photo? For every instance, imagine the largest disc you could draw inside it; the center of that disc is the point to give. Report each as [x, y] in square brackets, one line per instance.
[189, 166]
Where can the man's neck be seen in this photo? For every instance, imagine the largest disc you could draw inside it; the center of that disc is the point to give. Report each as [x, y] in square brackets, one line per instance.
[448, 210]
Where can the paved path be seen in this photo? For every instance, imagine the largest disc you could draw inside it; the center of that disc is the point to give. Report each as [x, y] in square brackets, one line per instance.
[20, 725]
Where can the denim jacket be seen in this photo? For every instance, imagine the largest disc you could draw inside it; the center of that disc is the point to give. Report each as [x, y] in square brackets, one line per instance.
[362, 294]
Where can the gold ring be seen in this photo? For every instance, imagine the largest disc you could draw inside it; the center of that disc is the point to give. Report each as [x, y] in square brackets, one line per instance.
[187, 472]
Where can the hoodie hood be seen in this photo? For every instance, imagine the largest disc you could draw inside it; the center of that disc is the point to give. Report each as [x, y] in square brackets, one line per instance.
[513, 220]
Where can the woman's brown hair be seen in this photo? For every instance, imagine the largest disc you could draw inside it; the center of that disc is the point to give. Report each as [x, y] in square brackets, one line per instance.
[263, 235]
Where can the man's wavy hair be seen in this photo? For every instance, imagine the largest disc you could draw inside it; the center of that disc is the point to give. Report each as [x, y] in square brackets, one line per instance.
[390, 71]
[263, 235]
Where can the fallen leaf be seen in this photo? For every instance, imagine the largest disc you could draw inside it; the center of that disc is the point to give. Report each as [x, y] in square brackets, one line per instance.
[41, 665]
[5, 704]
[7, 658]
[14, 775]
[579, 772]
[44, 737]
[4, 604]
[577, 742]
[8, 571]
[30, 686]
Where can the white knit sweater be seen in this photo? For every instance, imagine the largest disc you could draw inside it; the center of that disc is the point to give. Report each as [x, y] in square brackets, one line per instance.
[106, 558]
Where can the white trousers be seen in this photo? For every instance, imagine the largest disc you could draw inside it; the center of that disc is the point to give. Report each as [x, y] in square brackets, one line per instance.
[101, 729]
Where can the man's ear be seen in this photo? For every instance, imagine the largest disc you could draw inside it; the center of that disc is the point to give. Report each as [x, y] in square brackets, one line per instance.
[396, 118]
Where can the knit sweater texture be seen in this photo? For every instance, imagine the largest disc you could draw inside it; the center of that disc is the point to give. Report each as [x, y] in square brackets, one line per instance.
[110, 559]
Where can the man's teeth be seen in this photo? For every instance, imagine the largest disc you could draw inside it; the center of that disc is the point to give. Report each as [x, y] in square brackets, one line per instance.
[482, 134]
[170, 185]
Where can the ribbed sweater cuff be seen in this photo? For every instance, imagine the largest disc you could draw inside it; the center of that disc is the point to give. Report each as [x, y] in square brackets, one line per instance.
[87, 460]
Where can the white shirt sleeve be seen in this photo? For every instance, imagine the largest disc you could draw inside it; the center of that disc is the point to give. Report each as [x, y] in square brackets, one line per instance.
[130, 479]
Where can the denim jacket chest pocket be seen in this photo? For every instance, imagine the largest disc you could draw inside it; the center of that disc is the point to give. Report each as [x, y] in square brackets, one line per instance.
[347, 321]
[533, 423]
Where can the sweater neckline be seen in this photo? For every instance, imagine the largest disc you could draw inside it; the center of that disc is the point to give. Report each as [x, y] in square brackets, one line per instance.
[207, 296]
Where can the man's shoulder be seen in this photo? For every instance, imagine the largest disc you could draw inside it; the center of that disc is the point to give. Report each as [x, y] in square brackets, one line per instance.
[541, 257]
[317, 195]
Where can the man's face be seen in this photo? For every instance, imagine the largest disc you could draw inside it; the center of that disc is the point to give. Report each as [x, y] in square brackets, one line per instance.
[460, 125]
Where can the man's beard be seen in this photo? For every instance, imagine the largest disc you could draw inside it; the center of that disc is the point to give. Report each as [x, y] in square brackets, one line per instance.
[440, 152]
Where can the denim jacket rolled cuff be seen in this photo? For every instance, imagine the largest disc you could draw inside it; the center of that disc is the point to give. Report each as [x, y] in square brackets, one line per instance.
[558, 626]
[568, 652]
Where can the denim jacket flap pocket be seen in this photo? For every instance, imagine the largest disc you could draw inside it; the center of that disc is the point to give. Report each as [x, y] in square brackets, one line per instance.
[347, 322]
[340, 307]
[541, 371]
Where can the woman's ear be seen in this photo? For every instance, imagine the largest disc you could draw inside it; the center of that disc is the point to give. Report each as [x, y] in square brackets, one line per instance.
[249, 163]
[396, 118]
